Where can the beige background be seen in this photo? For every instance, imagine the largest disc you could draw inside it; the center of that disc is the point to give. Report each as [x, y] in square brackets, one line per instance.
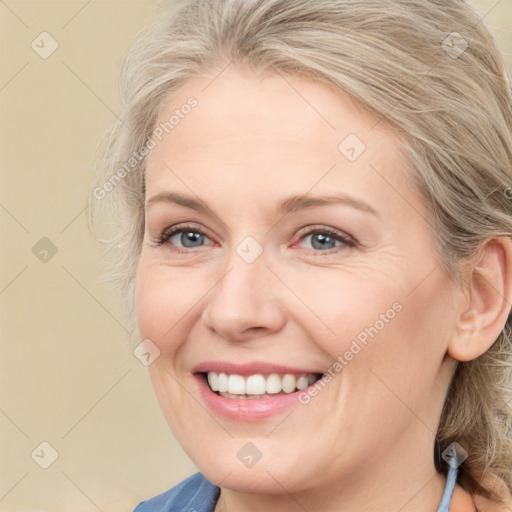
[67, 377]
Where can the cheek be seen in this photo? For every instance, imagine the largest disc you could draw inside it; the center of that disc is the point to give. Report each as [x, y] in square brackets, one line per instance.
[405, 356]
[166, 302]
[346, 306]
[384, 322]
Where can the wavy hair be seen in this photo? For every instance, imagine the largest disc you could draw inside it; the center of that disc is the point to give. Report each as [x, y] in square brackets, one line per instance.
[428, 68]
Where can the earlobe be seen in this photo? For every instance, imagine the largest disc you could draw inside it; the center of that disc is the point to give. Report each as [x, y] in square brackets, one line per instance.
[487, 301]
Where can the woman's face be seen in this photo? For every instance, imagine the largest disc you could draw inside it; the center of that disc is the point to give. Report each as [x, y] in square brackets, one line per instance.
[303, 250]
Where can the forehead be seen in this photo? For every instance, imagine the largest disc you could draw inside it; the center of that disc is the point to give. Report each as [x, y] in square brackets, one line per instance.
[253, 135]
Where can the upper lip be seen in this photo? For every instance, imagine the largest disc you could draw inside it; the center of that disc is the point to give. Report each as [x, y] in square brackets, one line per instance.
[251, 368]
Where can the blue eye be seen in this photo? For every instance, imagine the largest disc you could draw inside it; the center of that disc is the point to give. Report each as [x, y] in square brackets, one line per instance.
[323, 239]
[190, 237]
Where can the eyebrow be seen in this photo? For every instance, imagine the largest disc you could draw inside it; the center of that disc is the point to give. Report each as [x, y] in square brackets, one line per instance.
[297, 203]
[289, 205]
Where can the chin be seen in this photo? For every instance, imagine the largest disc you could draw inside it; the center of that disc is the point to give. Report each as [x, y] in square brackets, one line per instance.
[266, 476]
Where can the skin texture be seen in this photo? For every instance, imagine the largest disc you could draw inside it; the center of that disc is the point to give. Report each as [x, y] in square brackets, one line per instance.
[365, 442]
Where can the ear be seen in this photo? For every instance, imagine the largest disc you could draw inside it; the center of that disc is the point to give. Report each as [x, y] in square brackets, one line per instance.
[487, 300]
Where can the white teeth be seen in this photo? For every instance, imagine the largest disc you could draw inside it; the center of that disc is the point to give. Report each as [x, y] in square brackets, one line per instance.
[223, 382]
[311, 379]
[236, 385]
[288, 383]
[273, 384]
[257, 385]
[213, 380]
[302, 382]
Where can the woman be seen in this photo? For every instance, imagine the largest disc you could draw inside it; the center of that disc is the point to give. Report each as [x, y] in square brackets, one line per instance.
[313, 230]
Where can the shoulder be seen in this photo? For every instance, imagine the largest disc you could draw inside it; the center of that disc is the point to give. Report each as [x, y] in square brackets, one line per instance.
[496, 484]
[462, 501]
[195, 493]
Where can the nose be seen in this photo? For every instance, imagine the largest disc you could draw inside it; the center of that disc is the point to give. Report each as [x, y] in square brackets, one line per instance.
[245, 304]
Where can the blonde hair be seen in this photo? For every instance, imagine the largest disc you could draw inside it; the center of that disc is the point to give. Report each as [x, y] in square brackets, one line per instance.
[405, 61]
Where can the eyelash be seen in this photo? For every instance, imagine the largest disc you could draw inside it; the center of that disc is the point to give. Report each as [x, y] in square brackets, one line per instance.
[164, 237]
[168, 233]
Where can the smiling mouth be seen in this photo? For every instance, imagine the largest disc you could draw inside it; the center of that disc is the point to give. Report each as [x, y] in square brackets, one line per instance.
[257, 386]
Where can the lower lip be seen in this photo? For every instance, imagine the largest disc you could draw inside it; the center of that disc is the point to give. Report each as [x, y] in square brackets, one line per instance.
[246, 409]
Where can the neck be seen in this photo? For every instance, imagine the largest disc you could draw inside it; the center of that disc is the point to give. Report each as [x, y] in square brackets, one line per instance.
[389, 483]
[424, 497]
